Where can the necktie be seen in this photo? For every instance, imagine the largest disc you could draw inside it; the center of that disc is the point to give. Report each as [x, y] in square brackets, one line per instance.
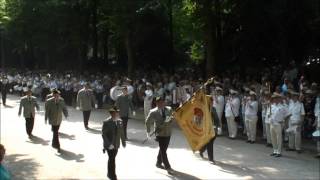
[163, 114]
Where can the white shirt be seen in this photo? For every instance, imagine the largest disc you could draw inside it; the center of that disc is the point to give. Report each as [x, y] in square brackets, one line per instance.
[268, 114]
[278, 113]
[218, 103]
[317, 108]
[251, 109]
[232, 107]
[148, 98]
[296, 110]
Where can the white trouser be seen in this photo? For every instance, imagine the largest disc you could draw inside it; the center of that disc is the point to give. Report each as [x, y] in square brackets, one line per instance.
[251, 126]
[276, 137]
[147, 109]
[244, 124]
[295, 138]
[268, 133]
[219, 114]
[232, 127]
[264, 135]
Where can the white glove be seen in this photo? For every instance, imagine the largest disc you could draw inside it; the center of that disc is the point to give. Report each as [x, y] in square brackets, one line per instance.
[96, 106]
[111, 147]
[77, 108]
[134, 113]
[168, 119]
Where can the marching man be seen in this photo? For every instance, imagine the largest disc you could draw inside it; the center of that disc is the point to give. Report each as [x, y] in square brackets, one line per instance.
[86, 102]
[29, 104]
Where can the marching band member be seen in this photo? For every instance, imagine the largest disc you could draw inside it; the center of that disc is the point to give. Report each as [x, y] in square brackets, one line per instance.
[279, 113]
[147, 100]
[251, 117]
[218, 105]
[231, 112]
[296, 110]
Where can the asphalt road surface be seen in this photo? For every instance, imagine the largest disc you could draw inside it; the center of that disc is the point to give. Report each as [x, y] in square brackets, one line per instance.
[82, 156]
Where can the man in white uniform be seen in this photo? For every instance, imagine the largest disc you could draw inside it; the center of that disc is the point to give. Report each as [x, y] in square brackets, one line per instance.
[279, 113]
[317, 122]
[296, 110]
[231, 112]
[251, 117]
[218, 105]
[148, 98]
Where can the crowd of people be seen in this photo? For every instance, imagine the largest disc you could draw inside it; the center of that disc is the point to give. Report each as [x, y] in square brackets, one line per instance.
[282, 105]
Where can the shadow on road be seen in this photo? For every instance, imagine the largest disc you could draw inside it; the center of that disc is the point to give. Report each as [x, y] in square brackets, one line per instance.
[241, 170]
[140, 142]
[180, 175]
[70, 156]
[38, 140]
[8, 106]
[20, 167]
[67, 136]
[94, 131]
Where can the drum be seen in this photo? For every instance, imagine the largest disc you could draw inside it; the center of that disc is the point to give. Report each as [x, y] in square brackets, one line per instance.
[115, 92]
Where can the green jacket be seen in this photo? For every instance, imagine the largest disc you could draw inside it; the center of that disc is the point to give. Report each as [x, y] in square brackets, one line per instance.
[29, 104]
[124, 103]
[85, 100]
[54, 110]
[112, 132]
[161, 127]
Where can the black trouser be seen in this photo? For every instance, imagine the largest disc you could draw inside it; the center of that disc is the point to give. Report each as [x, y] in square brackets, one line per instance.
[209, 148]
[68, 98]
[29, 125]
[86, 117]
[125, 123]
[112, 164]
[99, 97]
[4, 98]
[162, 155]
[55, 139]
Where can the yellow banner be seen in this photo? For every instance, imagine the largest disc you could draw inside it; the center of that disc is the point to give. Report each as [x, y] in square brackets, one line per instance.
[195, 120]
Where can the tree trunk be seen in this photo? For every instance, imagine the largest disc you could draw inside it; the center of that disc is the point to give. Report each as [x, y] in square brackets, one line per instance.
[171, 30]
[219, 45]
[105, 46]
[210, 34]
[2, 52]
[129, 48]
[47, 58]
[94, 31]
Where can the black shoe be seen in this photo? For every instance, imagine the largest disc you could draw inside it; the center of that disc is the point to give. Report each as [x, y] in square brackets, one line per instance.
[278, 155]
[299, 151]
[317, 156]
[289, 149]
[87, 128]
[59, 150]
[159, 166]
[213, 161]
[273, 154]
[248, 141]
[170, 171]
[252, 142]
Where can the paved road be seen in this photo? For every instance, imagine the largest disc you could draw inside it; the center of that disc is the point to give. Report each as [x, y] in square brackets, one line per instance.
[82, 156]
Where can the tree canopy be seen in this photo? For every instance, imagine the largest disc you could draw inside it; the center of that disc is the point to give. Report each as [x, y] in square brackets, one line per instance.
[157, 34]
